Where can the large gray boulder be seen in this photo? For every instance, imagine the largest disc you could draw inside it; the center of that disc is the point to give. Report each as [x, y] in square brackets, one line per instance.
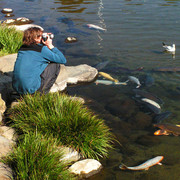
[82, 73]
[73, 75]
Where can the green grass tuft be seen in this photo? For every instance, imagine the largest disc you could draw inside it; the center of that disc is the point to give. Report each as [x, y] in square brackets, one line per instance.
[10, 40]
[36, 158]
[69, 121]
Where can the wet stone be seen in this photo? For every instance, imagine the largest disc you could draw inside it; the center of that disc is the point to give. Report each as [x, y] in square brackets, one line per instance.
[6, 10]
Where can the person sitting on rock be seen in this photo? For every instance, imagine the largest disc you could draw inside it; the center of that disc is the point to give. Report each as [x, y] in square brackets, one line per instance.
[38, 63]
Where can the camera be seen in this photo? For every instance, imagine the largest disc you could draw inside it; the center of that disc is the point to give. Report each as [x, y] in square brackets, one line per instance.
[45, 36]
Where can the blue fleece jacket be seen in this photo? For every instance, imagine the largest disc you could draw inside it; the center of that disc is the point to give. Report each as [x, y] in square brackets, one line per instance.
[30, 63]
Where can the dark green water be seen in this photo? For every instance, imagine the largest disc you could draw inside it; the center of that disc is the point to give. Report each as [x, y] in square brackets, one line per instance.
[134, 36]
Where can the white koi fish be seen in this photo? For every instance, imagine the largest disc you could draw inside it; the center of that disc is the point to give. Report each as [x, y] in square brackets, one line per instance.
[151, 102]
[144, 166]
[135, 80]
[107, 82]
[95, 27]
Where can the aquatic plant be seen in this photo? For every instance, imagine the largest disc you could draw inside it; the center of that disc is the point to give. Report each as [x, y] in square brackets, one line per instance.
[64, 118]
[10, 40]
[36, 157]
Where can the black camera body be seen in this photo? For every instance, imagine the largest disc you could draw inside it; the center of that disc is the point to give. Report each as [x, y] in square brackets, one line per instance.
[45, 36]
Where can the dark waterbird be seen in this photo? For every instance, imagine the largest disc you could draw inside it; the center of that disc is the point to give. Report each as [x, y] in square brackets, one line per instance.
[160, 117]
[141, 93]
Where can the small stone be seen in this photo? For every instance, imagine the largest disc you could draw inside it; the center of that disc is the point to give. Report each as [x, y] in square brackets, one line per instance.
[8, 21]
[81, 100]
[23, 19]
[14, 103]
[9, 15]
[86, 168]
[6, 10]
[70, 39]
[69, 154]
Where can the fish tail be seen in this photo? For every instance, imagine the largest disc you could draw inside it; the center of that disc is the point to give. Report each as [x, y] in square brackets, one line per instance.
[116, 80]
[163, 43]
[123, 167]
[138, 85]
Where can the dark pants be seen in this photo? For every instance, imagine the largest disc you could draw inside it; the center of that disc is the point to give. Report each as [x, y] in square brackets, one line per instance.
[48, 77]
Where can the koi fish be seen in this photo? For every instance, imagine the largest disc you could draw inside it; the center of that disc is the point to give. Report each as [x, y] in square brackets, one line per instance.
[145, 94]
[107, 76]
[107, 82]
[151, 102]
[95, 27]
[167, 129]
[135, 80]
[144, 166]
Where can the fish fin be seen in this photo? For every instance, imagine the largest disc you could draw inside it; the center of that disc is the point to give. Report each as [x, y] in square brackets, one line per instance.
[159, 163]
[138, 86]
[146, 169]
[123, 167]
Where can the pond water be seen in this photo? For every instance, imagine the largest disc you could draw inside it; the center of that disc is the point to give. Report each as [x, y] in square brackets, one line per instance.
[134, 36]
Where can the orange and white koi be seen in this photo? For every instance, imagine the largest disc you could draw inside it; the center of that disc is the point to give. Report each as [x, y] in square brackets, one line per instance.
[144, 166]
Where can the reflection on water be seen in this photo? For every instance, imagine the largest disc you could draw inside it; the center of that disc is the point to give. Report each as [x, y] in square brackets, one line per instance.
[132, 46]
[71, 6]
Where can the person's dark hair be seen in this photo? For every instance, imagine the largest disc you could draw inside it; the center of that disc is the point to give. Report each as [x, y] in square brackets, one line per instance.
[31, 34]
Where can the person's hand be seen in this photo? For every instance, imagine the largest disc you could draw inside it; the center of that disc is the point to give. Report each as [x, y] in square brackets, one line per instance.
[48, 42]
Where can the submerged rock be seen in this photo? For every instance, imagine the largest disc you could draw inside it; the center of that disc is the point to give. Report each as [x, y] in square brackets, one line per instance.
[86, 168]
